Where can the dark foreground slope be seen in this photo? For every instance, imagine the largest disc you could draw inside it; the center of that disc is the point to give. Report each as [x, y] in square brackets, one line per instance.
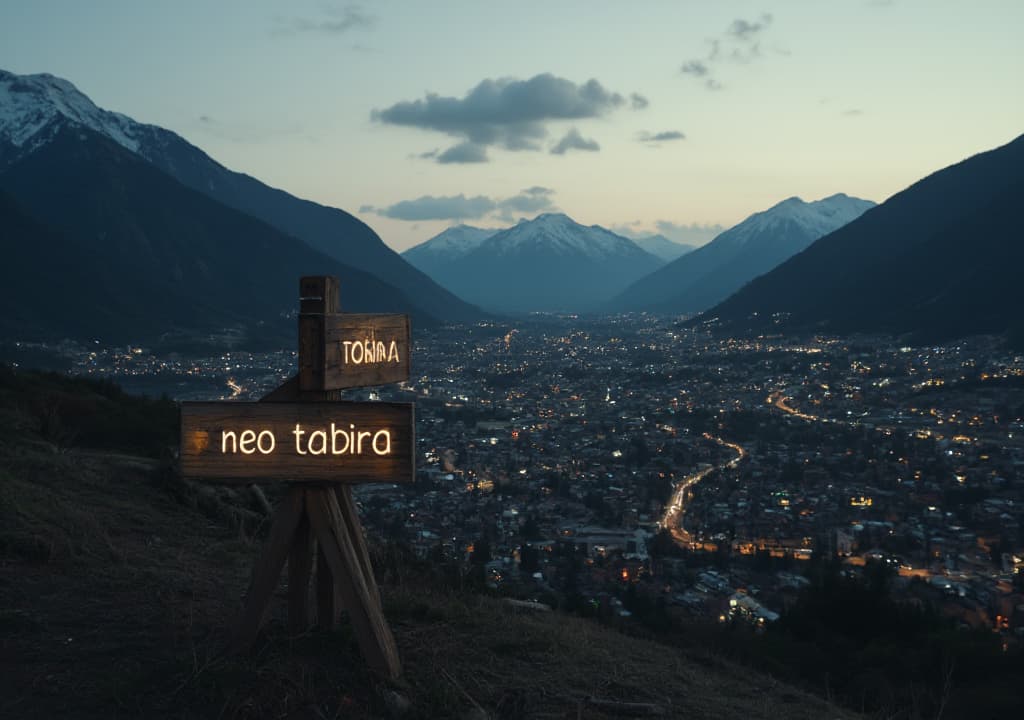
[938, 260]
[117, 585]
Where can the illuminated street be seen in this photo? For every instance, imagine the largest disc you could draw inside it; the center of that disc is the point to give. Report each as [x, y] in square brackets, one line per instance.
[675, 511]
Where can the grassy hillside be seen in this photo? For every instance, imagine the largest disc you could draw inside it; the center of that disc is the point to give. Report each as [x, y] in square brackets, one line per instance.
[118, 583]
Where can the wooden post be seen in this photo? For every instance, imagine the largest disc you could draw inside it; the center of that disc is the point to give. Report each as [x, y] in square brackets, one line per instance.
[315, 522]
[300, 569]
[268, 567]
[350, 520]
[318, 296]
[333, 538]
[328, 599]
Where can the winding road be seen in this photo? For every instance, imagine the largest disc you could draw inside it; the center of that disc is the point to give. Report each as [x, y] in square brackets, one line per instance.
[675, 511]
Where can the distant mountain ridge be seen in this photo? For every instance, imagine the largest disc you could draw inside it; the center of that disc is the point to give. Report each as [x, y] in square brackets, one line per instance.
[128, 254]
[660, 246]
[939, 259]
[550, 263]
[452, 243]
[34, 107]
[447, 246]
[712, 272]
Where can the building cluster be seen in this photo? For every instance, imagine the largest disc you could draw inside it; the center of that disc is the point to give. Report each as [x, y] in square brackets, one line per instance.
[629, 463]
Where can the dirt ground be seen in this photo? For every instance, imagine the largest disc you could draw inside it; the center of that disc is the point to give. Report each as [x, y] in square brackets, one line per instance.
[118, 589]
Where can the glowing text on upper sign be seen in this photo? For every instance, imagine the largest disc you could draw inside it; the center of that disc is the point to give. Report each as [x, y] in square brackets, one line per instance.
[358, 352]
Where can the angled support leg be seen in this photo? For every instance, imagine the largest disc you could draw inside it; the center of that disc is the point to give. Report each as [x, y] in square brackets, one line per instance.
[268, 568]
[335, 543]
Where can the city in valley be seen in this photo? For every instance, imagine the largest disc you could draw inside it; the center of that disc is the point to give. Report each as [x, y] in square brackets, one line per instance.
[631, 461]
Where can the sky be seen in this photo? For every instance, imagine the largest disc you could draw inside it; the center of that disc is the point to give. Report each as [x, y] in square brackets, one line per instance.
[681, 117]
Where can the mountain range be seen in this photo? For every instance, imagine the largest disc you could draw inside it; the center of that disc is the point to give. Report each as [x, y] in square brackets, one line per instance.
[938, 260]
[550, 263]
[129, 197]
[431, 256]
[709, 274]
[660, 246]
[127, 253]
[121, 230]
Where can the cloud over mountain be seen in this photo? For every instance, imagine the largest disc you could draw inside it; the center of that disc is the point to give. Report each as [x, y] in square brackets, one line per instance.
[428, 207]
[572, 140]
[638, 101]
[508, 113]
[336, 20]
[740, 43]
[459, 207]
[531, 200]
[685, 234]
[660, 137]
[745, 30]
[466, 152]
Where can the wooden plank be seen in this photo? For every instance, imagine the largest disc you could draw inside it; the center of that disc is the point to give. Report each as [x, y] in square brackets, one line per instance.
[375, 610]
[328, 601]
[319, 294]
[350, 520]
[346, 350]
[286, 392]
[312, 352]
[304, 441]
[371, 629]
[268, 567]
[300, 570]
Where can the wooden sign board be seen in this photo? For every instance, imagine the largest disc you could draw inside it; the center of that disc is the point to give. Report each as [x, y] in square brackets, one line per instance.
[305, 441]
[346, 350]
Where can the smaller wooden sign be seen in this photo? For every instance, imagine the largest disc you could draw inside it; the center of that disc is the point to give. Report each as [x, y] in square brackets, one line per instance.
[346, 350]
[314, 441]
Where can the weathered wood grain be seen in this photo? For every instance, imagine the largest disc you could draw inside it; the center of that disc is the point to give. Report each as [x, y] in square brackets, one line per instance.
[371, 628]
[350, 519]
[268, 568]
[346, 350]
[246, 442]
[300, 570]
[319, 294]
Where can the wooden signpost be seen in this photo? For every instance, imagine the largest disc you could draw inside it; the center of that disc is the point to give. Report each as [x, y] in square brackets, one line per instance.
[303, 441]
[302, 434]
[347, 350]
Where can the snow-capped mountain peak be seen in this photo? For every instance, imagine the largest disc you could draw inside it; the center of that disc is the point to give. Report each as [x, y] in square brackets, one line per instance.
[816, 218]
[446, 247]
[31, 103]
[709, 274]
[549, 263]
[558, 233]
[457, 239]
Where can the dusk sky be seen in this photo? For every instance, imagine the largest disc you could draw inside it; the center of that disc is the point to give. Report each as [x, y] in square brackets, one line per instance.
[683, 117]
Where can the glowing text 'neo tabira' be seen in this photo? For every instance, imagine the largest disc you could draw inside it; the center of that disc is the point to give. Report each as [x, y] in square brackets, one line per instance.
[336, 441]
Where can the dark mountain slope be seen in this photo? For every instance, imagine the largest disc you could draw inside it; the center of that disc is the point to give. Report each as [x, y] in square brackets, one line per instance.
[709, 274]
[132, 254]
[34, 107]
[938, 258]
[41, 271]
[333, 232]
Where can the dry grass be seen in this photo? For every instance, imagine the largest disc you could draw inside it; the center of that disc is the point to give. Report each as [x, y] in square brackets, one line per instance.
[117, 589]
